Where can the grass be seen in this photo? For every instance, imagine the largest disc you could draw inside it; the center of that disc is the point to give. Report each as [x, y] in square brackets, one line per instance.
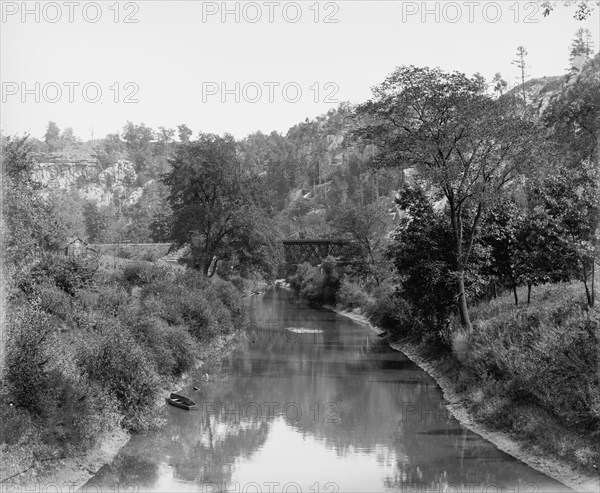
[532, 370]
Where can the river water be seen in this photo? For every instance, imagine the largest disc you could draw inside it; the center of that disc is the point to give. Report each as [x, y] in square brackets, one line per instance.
[314, 402]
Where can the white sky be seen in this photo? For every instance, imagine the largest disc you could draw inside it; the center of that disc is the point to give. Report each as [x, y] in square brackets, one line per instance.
[172, 51]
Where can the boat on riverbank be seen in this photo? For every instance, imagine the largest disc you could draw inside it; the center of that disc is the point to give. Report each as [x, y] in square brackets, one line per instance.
[182, 402]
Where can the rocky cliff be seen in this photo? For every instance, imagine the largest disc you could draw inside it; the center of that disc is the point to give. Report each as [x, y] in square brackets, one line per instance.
[78, 167]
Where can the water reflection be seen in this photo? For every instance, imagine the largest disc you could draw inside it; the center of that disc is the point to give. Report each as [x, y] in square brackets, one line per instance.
[330, 408]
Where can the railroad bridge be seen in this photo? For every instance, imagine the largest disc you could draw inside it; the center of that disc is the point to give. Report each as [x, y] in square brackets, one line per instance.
[314, 251]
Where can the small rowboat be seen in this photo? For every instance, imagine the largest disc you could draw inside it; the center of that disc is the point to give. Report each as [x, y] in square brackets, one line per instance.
[182, 402]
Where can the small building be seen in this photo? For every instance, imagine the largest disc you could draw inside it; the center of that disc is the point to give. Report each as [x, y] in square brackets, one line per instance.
[75, 247]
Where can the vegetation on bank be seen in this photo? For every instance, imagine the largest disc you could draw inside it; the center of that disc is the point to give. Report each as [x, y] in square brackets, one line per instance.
[85, 352]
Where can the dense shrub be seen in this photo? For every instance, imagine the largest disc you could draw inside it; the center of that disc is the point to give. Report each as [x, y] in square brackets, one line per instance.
[53, 395]
[316, 285]
[142, 273]
[231, 297]
[352, 295]
[15, 422]
[171, 348]
[183, 347]
[56, 269]
[389, 311]
[110, 298]
[30, 345]
[83, 410]
[206, 308]
[115, 360]
[545, 354]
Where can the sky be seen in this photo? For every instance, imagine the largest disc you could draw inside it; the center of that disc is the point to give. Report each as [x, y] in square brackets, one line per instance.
[242, 67]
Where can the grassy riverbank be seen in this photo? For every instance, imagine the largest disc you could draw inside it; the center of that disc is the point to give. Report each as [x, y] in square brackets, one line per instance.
[529, 371]
[88, 358]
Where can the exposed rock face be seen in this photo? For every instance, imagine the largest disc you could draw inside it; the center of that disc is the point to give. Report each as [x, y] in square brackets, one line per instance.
[61, 171]
[539, 92]
[80, 168]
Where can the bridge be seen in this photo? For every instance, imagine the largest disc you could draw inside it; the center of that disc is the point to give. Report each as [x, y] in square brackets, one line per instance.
[314, 251]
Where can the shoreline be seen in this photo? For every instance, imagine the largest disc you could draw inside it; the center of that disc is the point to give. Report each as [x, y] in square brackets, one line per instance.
[553, 468]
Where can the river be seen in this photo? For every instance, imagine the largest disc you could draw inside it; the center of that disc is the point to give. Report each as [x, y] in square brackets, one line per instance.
[314, 402]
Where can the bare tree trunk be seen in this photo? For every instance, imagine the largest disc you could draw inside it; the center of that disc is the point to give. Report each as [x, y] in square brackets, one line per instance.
[593, 281]
[588, 295]
[528, 293]
[463, 309]
[516, 296]
[214, 269]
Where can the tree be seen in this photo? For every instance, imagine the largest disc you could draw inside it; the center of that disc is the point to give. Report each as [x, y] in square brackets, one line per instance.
[424, 262]
[571, 199]
[217, 209]
[31, 221]
[521, 64]
[583, 44]
[52, 136]
[467, 145]
[68, 136]
[137, 141]
[500, 84]
[368, 226]
[97, 221]
[500, 234]
[165, 135]
[582, 12]
[184, 132]
[541, 253]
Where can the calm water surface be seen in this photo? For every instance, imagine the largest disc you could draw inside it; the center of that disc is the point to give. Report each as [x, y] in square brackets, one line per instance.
[314, 402]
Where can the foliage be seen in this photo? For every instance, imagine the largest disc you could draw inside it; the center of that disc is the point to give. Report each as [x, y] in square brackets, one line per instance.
[544, 354]
[351, 295]
[59, 270]
[391, 311]
[467, 145]
[368, 226]
[141, 273]
[28, 371]
[571, 200]
[206, 309]
[424, 261]
[31, 221]
[316, 285]
[217, 207]
[583, 44]
[112, 358]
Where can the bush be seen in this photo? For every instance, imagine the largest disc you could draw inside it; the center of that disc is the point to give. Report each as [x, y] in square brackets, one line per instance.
[110, 298]
[57, 269]
[232, 299]
[183, 348]
[141, 273]
[389, 311]
[171, 348]
[115, 360]
[31, 342]
[15, 422]
[352, 295]
[545, 354]
[207, 309]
